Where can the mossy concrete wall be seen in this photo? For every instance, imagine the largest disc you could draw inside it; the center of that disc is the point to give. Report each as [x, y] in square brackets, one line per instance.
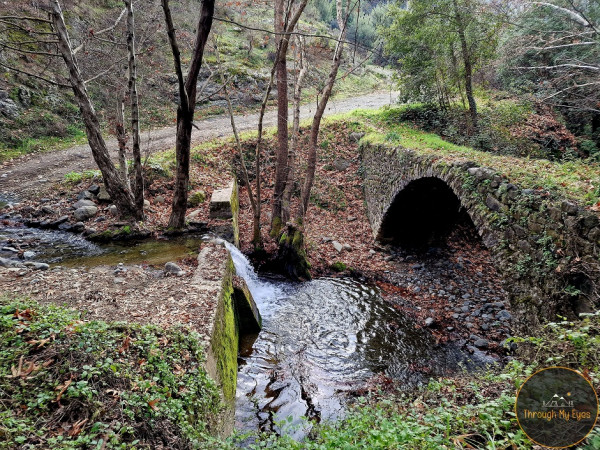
[214, 281]
[225, 205]
[547, 249]
[230, 310]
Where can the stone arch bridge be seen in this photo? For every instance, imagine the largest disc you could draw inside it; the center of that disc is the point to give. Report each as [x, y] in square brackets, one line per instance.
[547, 250]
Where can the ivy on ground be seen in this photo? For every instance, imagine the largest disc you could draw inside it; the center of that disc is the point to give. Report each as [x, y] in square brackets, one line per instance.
[70, 383]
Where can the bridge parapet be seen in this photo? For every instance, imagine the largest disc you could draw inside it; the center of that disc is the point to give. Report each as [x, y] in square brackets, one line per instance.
[547, 249]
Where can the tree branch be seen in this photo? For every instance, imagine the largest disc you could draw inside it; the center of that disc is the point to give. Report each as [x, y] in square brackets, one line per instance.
[97, 33]
[572, 15]
[34, 19]
[29, 52]
[176, 53]
[289, 33]
[556, 66]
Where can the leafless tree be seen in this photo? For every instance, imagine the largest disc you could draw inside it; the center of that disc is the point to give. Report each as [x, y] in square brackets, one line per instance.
[187, 103]
[287, 14]
[291, 250]
[558, 42]
[52, 40]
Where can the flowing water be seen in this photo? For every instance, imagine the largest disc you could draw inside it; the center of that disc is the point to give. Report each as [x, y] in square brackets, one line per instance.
[72, 250]
[320, 341]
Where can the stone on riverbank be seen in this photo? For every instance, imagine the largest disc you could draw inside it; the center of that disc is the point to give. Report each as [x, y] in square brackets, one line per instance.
[85, 212]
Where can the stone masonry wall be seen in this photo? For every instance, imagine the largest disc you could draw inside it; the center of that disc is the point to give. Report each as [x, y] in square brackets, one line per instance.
[548, 250]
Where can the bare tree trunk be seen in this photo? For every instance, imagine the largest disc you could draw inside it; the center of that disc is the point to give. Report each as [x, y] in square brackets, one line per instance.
[283, 24]
[117, 189]
[187, 104]
[122, 137]
[256, 233]
[466, 55]
[342, 18]
[138, 186]
[291, 252]
[281, 156]
[289, 186]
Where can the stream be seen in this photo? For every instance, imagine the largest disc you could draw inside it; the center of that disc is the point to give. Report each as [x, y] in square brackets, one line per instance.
[321, 340]
[72, 250]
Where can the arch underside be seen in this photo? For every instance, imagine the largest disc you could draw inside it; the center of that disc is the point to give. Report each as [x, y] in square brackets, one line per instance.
[423, 214]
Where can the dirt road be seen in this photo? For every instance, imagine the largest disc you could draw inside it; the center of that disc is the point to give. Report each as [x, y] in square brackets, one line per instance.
[33, 174]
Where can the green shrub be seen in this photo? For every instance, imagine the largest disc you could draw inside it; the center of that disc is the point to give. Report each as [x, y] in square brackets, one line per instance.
[339, 266]
[196, 198]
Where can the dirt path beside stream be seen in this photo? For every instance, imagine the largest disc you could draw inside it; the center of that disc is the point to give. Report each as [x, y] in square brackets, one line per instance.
[33, 174]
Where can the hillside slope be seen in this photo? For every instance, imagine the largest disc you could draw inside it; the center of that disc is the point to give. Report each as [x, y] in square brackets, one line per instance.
[35, 115]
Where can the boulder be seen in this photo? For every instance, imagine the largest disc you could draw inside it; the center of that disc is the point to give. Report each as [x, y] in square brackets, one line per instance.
[341, 164]
[103, 195]
[94, 189]
[355, 137]
[173, 268]
[78, 227]
[37, 265]
[24, 96]
[481, 343]
[196, 198]
[8, 108]
[85, 212]
[339, 247]
[58, 222]
[5, 262]
[85, 195]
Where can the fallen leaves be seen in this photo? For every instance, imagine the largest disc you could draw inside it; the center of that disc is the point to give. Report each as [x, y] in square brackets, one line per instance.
[62, 389]
[125, 346]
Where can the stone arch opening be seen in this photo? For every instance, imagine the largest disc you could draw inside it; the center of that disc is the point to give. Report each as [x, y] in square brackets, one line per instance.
[423, 214]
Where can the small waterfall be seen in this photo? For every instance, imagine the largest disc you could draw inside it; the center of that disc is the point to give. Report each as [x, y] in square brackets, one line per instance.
[262, 291]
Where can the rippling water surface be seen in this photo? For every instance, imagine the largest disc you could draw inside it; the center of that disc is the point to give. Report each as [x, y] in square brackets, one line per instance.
[320, 340]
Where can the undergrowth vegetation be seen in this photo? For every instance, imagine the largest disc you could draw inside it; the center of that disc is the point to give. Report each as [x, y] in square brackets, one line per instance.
[70, 383]
[507, 126]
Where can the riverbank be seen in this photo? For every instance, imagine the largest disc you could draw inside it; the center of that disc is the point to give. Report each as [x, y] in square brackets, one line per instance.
[442, 290]
[453, 292]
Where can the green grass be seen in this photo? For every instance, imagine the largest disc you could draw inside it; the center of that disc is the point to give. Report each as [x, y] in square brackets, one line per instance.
[41, 144]
[465, 412]
[77, 177]
[69, 383]
[578, 180]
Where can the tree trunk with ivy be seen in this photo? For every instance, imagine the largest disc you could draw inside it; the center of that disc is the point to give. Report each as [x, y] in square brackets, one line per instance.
[291, 252]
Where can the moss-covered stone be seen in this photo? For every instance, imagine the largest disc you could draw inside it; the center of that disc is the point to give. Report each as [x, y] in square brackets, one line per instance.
[525, 230]
[196, 198]
[291, 254]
